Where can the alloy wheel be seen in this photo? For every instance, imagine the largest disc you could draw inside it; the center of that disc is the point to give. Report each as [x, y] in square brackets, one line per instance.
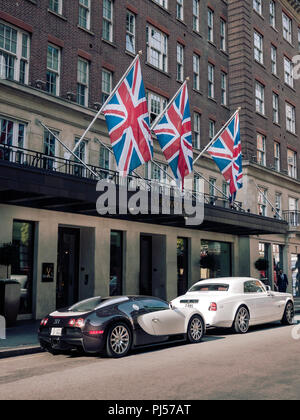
[243, 320]
[119, 340]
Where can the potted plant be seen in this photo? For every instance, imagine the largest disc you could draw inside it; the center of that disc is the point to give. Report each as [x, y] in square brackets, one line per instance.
[10, 290]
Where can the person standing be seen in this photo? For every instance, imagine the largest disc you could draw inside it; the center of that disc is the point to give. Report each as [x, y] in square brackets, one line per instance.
[282, 282]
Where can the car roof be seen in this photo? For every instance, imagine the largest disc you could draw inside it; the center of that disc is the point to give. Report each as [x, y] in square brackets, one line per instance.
[227, 280]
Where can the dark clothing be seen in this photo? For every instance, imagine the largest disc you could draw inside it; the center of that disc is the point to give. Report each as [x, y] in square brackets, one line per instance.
[282, 282]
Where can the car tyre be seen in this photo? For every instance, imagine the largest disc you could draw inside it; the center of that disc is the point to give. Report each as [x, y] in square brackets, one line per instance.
[118, 340]
[289, 313]
[242, 321]
[196, 329]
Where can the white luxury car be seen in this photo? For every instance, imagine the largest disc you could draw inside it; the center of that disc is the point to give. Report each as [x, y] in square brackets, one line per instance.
[238, 303]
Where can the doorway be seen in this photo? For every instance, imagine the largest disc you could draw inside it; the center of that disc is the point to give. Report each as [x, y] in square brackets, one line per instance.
[67, 289]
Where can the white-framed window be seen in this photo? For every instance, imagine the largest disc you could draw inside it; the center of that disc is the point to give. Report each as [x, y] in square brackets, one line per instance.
[211, 129]
[275, 108]
[196, 15]
[223, 35]
[212, 190]
[261, 149]
[180, 62]
[260, 98]
[130, 32]
[211, 81]
[84, 19]
[104, 160]
[224, 88]
[107, 79]
[277, 156]
[257, 6]
[82, 153]
[82, 82]
[262, 201]
[107, 20]
[196, 72]
[50, 149]
[53, 69]
[197, 180]
[278, 203]
[288, 72]
[162, 3]
[14, 53]
[210, 25]
[179, 10]
[157, 48]
[274, 59]
[157, 172]
[12, 133]
[258, 48]
[272, 13]
[292, 163]
[287, 27]
[156, 104]
[290, 118]
[56, 6]
[197, 131]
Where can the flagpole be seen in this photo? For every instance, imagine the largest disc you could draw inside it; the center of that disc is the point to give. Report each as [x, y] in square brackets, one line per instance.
[159, 117]
[216, 136]
[106, 102]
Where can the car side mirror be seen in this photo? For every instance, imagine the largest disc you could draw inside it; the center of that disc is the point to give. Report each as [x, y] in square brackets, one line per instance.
[171, 306]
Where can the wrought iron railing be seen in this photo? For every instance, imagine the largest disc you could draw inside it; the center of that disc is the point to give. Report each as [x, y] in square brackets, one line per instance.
[292, 218]
[34, 159]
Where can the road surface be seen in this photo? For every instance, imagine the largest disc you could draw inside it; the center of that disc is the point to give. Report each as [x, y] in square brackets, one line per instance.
[264, 364]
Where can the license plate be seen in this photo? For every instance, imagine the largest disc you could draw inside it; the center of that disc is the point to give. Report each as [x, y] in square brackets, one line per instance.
[57, 332]
[189, 305]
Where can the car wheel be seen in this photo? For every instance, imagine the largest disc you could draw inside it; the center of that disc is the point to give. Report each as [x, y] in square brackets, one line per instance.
[242, 321]
[196, 329]
[289, 313]
[119, 340]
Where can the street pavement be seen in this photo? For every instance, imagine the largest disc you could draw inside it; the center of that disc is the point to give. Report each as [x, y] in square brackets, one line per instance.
[264, 364]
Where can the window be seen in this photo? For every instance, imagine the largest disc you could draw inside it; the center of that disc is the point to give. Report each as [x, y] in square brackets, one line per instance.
[277, 156]
[107, 31]
[272, 13]
[106, 84]
[210, 22]
[292, 163]
[260, 98]
[197, 130]
[293, 210]
[154, 305]
[53, 70]
[261, 149]
[211, 81]
[179, 9]
[56, 6]
[253, 287]
[196, 15]
[278, 204]
[80, 152]
[156, 105]
[14, 54]
[130, 32]
[82, 82]
[257, 6]
[223, 36]
[157, 48]
[157, 172]
[162, 3]
[288, 72]
[274, 59]
[12, 133]
[223, 88]
[180, 62]
[197, 180]
[212, 190]
[49, 149]
[84, 14]
[290, 118]
[287, 27]
[275, 108]
[104, 160]
[262, 201]
[211, 129]
[258, 48]
[196, 72]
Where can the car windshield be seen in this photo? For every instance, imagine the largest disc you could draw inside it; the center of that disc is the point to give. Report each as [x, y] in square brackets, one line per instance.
[210, 288]
[87, 305]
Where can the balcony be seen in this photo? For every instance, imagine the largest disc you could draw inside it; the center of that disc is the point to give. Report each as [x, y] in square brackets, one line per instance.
[293, 220]
[32, 179]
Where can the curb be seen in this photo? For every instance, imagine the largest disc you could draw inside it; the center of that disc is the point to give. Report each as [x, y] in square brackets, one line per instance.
[20, 351]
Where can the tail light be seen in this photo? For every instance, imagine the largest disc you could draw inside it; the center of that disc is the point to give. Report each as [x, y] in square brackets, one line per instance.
[44, 322]
[79, 323]
[213, 307]
[72, 322]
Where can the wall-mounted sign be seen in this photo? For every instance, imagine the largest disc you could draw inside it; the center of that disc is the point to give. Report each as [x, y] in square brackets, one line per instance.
[47, 273]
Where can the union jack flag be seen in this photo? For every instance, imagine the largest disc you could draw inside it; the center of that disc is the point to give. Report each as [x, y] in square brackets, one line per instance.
[128, 122]
[227, 153]
[174, 134]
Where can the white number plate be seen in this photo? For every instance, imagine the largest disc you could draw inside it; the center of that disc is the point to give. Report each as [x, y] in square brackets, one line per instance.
[189, 305]
[57, 332]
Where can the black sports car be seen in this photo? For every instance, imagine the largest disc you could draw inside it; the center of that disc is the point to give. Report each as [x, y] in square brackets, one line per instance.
[114, 325]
